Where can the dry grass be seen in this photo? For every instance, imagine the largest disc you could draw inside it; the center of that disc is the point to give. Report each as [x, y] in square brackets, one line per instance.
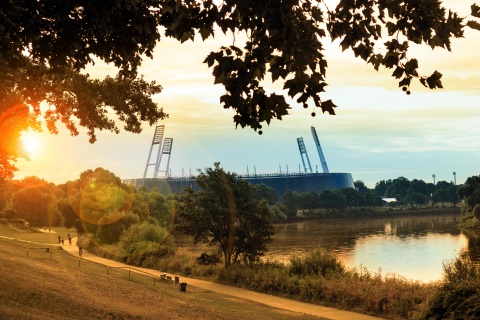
[40, 287]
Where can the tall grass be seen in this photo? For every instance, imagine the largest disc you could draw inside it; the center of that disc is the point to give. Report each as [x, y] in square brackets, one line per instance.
[320, 278]
[316, 278]
[459, 293]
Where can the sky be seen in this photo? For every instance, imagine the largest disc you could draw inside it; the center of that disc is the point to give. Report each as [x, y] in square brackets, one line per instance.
[379, 132]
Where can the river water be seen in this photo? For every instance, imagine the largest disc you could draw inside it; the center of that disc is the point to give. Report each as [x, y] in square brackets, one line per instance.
[414, 247]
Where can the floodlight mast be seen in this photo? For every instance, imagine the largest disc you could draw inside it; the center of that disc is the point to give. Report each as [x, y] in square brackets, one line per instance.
[303, 150]
[320, 152]
[157, 139]
[166, 149]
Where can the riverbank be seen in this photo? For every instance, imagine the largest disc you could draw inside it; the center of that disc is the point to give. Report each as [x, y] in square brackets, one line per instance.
[203, 299]
[381, 212]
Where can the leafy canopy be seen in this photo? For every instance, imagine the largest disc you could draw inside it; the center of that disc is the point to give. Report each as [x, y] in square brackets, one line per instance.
[46, 44]
[45, 47]
[225, 213]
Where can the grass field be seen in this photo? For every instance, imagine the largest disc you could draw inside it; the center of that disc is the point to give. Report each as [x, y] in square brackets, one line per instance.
[37, 284]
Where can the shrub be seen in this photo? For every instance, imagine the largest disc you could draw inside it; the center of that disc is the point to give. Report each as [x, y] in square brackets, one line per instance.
[110, 232]
[319, 262]
[476, 211]
[144, 244]
[208, 259]
[144, 232]
[10, 214]
[458, 295]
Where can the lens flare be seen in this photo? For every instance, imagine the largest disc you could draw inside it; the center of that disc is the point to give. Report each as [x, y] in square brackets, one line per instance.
[100, 203]
[31, 142]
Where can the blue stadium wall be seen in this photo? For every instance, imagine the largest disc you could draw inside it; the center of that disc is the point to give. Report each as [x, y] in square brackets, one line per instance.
[298, 182]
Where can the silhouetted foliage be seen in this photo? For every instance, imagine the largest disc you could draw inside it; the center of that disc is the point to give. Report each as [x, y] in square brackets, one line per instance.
[46, 47]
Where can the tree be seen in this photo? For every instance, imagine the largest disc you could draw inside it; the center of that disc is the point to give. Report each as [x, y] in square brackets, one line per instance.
[96, 195]
[417, 186]
[159, 208]
[398, 188]
[140, 205]
[69, 218]
[381, 187]
[360, 186]
[430, 188]
[470, 191]
[37, 203]
[308, 201]
[224, 212]
[45, 47]
[332, 199]
[110, 232]
[47, 44]
[290, 200]
[372, 199]
[267, 193]
[353, 197]
[418, 198]
[442, 195]
[443, 184]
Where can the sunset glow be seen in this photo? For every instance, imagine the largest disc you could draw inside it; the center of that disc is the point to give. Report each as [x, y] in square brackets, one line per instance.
[31, 143]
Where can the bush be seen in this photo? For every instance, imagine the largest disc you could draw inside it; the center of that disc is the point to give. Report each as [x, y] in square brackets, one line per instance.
[458, 296]
[209, 259]
[10, 214]
[319, 262]
[476, 211]
[110, 232]
[144, 244]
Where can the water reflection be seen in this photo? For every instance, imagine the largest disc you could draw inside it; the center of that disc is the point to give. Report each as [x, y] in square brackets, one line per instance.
[413, 247]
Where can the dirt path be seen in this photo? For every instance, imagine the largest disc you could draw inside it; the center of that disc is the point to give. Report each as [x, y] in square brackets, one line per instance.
[273, 301]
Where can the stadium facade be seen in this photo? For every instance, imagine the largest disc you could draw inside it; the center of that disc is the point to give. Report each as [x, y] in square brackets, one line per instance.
[298, 182]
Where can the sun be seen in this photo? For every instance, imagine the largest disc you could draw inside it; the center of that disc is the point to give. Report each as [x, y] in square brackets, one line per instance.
[31, 142]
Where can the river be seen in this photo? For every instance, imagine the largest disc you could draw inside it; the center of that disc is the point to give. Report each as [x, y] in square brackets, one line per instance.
[413, 247]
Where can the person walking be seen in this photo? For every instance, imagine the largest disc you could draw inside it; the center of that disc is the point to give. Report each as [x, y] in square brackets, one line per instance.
[69, 239]
[80, 251]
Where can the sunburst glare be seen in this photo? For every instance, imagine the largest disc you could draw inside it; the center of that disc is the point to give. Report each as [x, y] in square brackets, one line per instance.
[31, 142]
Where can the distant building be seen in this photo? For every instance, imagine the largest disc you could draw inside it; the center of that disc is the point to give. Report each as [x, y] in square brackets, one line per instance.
[298, 182]
[388, 201]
